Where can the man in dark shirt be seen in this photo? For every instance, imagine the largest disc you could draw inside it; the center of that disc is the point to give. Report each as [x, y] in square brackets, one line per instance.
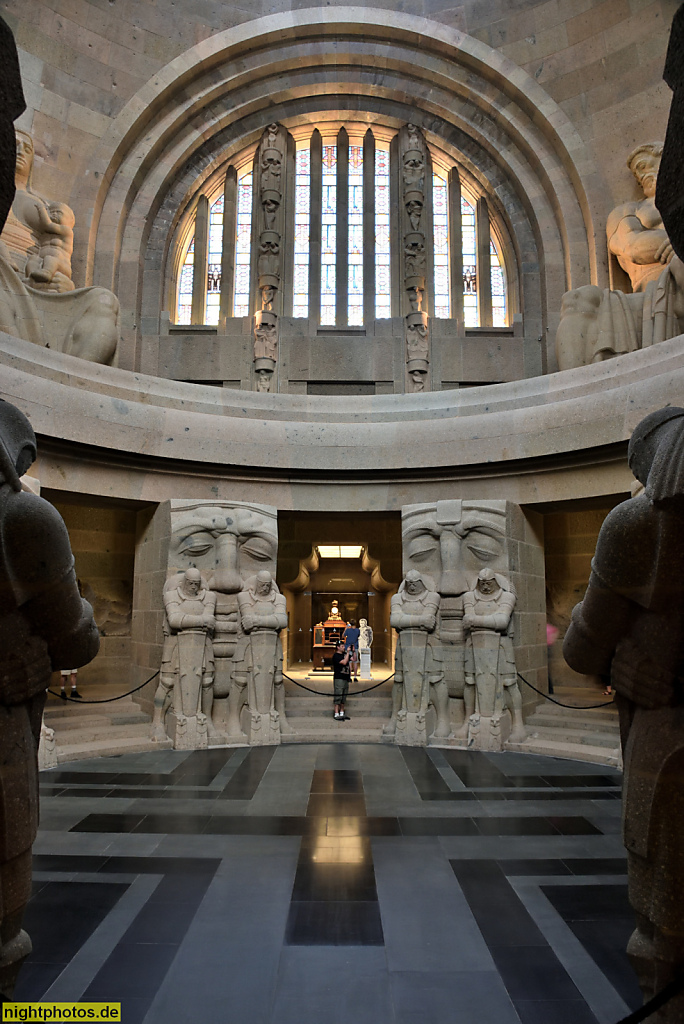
[341, 675]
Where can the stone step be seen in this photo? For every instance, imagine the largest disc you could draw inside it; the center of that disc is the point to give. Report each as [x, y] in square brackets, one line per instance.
[541, 719]
[86, 734]
[572, 751]
[576, 736]
[320, 707]
[358, 729]
[607, 713]
[108, 748]
[101, 722]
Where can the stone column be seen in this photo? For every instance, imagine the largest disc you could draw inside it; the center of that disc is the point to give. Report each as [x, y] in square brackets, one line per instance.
[342, 274]
[455, 246]
[368, 228]
[415, 182]
[315, 229]
[484, 264]
[228, 249]
[199, 276]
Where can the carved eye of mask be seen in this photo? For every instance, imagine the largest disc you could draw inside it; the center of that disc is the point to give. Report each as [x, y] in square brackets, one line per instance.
[196, 544]
[422, 547]
[258, 549]
[484, 546]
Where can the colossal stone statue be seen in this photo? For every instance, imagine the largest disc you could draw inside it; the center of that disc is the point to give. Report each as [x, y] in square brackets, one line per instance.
[187, 672]
[44, 625]
[259, 658]
[38, 301]
[229, 542]
[630, 629]
[491, 682]
[669, 193]
[451, 541]
[418, 667]
[415, 168]
[597, 324]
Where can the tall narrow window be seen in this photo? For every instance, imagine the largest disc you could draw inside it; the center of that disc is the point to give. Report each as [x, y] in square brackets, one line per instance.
[211, 315]
[329, 235]
[300, 300]
[440, 208]
[498, 288]
[355, 221]
[187, 273]
[382, 232]
[471, 314]
[243, 245]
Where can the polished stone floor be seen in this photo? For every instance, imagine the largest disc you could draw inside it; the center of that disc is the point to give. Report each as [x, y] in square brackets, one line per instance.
[333, 882]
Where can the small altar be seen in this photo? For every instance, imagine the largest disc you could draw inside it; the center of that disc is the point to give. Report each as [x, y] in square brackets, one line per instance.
[327, 635]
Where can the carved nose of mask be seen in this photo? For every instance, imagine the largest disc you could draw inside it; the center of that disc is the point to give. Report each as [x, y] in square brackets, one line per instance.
[228, 581]
[453, 582]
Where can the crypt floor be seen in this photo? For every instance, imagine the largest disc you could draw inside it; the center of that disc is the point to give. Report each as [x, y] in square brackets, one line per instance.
[332, 882]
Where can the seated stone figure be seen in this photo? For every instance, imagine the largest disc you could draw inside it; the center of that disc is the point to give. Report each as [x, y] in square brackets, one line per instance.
[44, 625]
[630, 629]
[38, 301]
[596, 323]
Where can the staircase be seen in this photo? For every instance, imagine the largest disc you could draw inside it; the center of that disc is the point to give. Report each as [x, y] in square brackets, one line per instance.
[312, 718]
[98, 730]
[588, 735]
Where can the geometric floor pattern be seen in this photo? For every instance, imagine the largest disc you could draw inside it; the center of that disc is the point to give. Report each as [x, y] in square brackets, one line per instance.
[344, 883]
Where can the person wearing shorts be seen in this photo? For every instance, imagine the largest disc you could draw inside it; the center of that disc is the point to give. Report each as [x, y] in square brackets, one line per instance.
[351, 643]
[341, 675]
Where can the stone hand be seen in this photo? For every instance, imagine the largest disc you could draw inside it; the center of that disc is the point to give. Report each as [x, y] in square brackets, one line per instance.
[248, 623]
[665, 252]
[209, 621]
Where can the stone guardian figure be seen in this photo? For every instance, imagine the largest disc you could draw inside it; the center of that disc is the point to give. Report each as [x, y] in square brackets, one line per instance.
[259, 658]
[187, 673]
[630, 629]
[491, 683]
[44, 625]
[418, 668]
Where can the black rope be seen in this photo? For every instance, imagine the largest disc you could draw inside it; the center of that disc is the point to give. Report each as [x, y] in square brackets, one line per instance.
[572, 707]
[107, 700]
[321, 693]
[655, 1003]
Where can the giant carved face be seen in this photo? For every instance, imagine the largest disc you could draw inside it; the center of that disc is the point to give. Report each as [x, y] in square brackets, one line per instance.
[227, 541]
[452, 541]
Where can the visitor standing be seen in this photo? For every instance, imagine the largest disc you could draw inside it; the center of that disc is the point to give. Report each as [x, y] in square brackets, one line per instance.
[341, 676]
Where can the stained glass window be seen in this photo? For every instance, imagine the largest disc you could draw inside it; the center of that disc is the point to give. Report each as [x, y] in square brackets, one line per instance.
[471, 313]
[300, 300]
[382, 232]
[184, 313]
[243, 245]
[355, 221]
[329, 234]
[214, 263]
[498, 287]
[440, 216]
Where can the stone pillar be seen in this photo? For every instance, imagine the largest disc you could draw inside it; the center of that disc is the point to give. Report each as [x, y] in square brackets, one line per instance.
[199, 276]
[342, 274]
[484, 264]
[368, 228]
[315, 229]
[455, 247]
[415, 175]
[228, 248]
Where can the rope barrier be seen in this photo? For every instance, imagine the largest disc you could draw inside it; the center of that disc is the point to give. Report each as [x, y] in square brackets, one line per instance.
[655, 1003]
[322, 693]
[106, 700]
[572, 707]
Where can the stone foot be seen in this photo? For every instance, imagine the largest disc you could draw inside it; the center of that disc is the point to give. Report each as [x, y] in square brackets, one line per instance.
[518, 735]
[285, 727]
[158, 734]
[389, 728]
[442, 731]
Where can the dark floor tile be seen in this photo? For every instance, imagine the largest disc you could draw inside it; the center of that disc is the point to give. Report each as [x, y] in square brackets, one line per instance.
[336, 882]
[173, 824]
[427, 794]
[475, 770]
[135, 794]
[63, 915]
[515, 827]
[168, 921]
[581, 780]
[423, 771]
[336, 781]
[535, 867]
[180, 888]
[245, 781]
[254, 825]
[35, 979]
[532, 973]
[66, 862]
[554, 1011]
[107, 823]
[496, 907]
[141, 779]
[159, 865]
[597, 865]
[133, 971]
[527, 781]
[51, 790]
[88, 791]
[334, 924]
[590, 902]
[438, 827]
[606, 942]
[324, 805]
[380, 827]
[574, 826]
[79, 778]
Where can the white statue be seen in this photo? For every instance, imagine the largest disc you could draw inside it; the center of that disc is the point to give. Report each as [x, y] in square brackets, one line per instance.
[365, 643]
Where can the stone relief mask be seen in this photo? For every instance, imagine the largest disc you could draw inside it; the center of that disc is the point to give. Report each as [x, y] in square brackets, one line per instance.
[228, 542]
[452, 540]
